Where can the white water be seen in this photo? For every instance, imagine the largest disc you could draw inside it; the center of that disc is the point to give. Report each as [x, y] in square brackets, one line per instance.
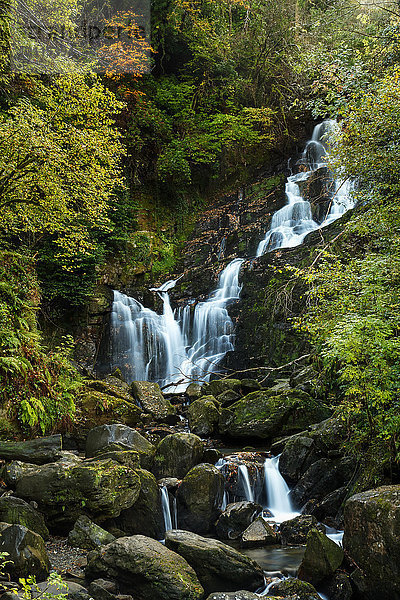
[290, 225]
[179, 347]
[166, 508]
[277, 490]
[245, 481]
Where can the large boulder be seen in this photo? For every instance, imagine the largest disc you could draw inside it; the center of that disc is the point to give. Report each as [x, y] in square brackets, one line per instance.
[18, 512]
[239, 595]
[16, 469]
[146, 566]
[295, 589]
[218, 566]
[102, 401]
[372, 540]
[236, 518]
[296, 530]
[26, 552]
[199, 498]
[150, 398]
[321, 558]
[39, 451]
[259, 533]
[261, 414]
[145, 516]
[100, 489]
[218, 386]
[203, 415]
[88, 535]
[107, 438]
[176, 454]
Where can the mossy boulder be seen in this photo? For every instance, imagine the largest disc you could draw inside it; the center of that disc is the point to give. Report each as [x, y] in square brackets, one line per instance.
[304, 416]
[102, 401]
[150, 398]
[239, 595]
[218, 566]
[39, 451]
[323, 477]
[26, 552]
[146, 566]
[217, 386]
[296, 530]
[236, 518]
[176, 454]
[295, 588]
[18, 512]
[117, 437]
[193, 392]
[128, 458]
[100, 489]
[88, 535]
[372, 540]
[261, 414]
[321, 558]
[228, 398]
[16, 469]
[199, 498]
[203, 415]
[259, 533]
[145, 516]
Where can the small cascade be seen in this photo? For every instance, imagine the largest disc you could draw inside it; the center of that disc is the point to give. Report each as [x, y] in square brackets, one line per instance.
[175, 513]
[176, 346]
[277, 490]
[224, 501]
[292, 223]
[166, 508]
[245, 481]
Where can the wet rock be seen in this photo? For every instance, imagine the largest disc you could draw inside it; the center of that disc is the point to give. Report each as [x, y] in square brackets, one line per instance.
[372, 540]
[18, 512]
[100, 403]
[193, 392]
[321, 558]
[39, 451]
[212, 455]
[340, 588]
[295, 590]
[146, 566]
[88, 535]
[239, 595]
[203, 415]
[259, 533]
[218, 566]
[217, 386]
[295, 531]
[145, 516]
[13, 471]
[171, 483]
[199, 498]
[323, 477]
[301, 418]
[260, 414]
[103, 589]
[236, 518]
[128, 458]
[26, 552]
[331, 505]
[152, 401]
[100, 489]
[298, 455]
[228, 397]
[107, 438]
[176, 454]
[249, 385]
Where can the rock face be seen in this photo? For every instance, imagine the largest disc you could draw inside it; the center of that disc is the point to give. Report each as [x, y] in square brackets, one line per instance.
[118, 437]
[218, 566]
[18, 512]
[203, 415]
[100, 489]
[150, 398]
[39, 451]
[150, 569]
[26, 552]
[199, 498]
[372, 540]
[261, 414]
[176, 454]
[295, 531]
[145, 516]
[87, 534]
[321, 558]
[236, 518]
[259, 533]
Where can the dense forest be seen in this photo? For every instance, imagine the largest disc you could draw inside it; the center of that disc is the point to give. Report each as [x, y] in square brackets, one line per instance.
[107, 176]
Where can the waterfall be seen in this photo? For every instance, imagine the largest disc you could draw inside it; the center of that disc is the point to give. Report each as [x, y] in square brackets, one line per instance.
[277, 490]
[175, 346]
[166, 508]
[244, 478]
[292, 223]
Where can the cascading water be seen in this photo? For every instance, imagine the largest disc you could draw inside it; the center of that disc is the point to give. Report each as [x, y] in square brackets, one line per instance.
[277, 490]
[245, 481]
[292, 223]
[166, 509]
[174, 347]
